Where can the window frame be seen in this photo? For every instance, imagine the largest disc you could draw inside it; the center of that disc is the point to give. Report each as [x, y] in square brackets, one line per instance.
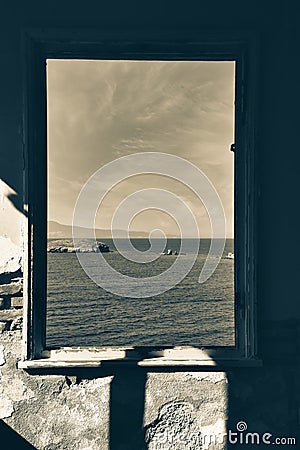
[40, 45]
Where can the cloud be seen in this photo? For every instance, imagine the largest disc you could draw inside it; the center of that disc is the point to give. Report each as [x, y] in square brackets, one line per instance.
[101, 110]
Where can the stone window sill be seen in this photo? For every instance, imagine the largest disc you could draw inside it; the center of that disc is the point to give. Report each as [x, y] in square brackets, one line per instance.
[95, 358]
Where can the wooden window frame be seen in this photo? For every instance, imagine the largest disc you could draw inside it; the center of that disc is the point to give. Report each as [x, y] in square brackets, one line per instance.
[38, 46]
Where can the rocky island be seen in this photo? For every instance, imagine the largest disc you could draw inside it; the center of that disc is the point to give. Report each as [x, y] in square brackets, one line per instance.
[66, 246]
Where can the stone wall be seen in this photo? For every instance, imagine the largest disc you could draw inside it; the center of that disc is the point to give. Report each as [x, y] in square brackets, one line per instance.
[125, 410]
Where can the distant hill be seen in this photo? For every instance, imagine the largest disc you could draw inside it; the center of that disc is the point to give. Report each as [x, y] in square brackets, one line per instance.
[57, 230]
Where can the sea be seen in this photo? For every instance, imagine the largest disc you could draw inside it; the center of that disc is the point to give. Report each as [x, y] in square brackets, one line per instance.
[81, 313]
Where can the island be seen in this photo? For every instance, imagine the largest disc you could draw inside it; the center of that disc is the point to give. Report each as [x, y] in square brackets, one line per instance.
[84, 247]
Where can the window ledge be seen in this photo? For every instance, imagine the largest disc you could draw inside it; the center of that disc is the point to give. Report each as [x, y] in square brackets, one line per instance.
[95, 358]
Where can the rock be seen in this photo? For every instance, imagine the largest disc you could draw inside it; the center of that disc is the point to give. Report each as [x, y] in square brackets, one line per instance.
[17, 280]
[2, 357]
[16, 324]
[85, 247]
[10, 289]
[6, 407]
[176, 427]
[103, 248]
[17, 302]
[10, 314]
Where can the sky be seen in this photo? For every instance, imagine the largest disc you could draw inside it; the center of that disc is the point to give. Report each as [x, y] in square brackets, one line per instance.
[102, 110]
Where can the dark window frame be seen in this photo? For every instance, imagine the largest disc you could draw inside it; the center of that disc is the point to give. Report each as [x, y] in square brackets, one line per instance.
[39, 45]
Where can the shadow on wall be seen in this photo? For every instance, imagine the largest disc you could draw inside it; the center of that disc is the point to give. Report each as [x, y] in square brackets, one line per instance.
[261, 407]
[260, 402]
[17, 202]
[10, 191]
[127, 399]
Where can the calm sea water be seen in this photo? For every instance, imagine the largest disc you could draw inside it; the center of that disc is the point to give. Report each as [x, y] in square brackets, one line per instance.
[79, 312]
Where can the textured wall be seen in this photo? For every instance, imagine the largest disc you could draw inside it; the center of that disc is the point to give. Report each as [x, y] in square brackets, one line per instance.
[70, 412]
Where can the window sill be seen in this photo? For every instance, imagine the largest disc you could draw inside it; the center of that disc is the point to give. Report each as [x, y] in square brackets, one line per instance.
[96, 358]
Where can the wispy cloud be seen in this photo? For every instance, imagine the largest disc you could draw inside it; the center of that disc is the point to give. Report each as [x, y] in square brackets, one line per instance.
[101, 110]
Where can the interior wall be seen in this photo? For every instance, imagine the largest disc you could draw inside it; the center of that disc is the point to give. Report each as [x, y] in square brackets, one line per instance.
[111, 410]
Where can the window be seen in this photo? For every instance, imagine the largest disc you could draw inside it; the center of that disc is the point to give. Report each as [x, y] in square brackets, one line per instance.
[83, 93]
